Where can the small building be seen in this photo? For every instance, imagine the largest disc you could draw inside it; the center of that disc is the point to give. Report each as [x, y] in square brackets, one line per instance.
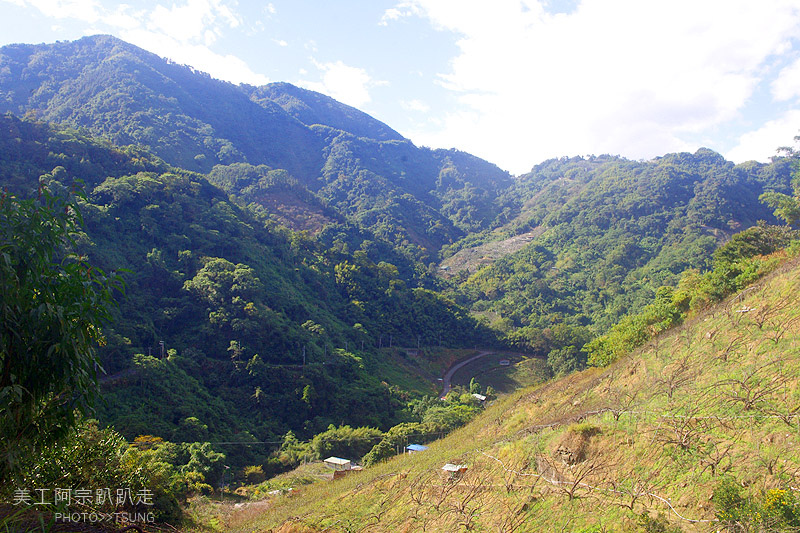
[337, 463]
[413, 448]
[479, 397]
[454, 471]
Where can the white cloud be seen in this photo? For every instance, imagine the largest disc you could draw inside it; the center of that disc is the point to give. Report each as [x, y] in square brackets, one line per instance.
[787, 85]
[193, 21]
[350, 85]
[763, 143]
[415, 105]
[280, 42]
[85, 10]
[223, 66]
[123, 18]
[619, 76]
[401, 11]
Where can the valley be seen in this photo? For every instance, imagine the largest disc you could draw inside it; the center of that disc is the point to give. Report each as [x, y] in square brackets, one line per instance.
[256, 279]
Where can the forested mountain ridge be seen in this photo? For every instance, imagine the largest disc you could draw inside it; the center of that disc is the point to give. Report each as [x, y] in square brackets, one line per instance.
[601, 235]
[114, 89]
[311, 108]
[264, 330]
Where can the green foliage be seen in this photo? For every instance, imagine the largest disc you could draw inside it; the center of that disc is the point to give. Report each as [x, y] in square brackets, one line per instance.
[254, 326]
[237, 303]
[395, 440]
[565, 360]
[474, 386]
[433, 418]
[253, 474]
[292, 452]
[659, 524]
[604, 234]
[782, 507]
[205, 461]
[345, 441]
[786, 207]
[92, 459]
[776, 510]
[737, 264]
[633, 331]
[54, 303]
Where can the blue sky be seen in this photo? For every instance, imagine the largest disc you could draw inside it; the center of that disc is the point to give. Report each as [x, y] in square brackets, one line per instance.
[515, 82]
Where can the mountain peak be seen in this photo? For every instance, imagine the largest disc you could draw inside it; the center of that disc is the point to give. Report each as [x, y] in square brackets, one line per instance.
[311, 107]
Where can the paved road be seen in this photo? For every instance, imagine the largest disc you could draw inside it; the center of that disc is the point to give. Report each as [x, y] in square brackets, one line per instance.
[456, 367]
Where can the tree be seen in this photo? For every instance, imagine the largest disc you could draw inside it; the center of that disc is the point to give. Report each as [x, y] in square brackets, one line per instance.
[53, 305]
[786, 207]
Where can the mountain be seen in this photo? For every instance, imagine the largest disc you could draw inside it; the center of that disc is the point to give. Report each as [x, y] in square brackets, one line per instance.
[130, 96]
[273, 241]
[697, 431]
[310, 108]
[590, 240]
[581, 240]
[232, 327]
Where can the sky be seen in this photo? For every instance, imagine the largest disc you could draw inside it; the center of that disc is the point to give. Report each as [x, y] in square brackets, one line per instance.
[512, 81]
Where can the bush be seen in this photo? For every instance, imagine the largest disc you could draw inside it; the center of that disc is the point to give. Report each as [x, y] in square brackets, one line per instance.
[656, 525]
[93, 459]
[782, 508]
[345, 442]
[253, 474]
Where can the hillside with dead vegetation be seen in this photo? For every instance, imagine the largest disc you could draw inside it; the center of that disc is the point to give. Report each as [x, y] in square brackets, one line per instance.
[696, 431]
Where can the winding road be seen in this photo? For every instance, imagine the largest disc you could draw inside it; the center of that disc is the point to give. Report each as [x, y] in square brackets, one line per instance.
[448, 376]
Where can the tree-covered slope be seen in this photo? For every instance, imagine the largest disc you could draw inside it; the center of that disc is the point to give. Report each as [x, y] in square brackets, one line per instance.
[130, 96]
[603, 233]
[263, 330]
[310, 107]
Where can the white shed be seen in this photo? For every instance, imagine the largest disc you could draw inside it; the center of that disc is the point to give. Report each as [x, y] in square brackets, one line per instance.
[337, 463]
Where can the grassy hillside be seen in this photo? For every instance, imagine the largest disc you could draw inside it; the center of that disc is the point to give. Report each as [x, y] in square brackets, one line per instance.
[697, 431]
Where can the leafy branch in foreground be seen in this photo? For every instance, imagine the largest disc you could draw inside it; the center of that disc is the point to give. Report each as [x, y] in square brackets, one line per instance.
[51, 311]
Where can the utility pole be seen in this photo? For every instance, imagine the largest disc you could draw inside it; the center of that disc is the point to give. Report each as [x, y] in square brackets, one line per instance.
[222, 483]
